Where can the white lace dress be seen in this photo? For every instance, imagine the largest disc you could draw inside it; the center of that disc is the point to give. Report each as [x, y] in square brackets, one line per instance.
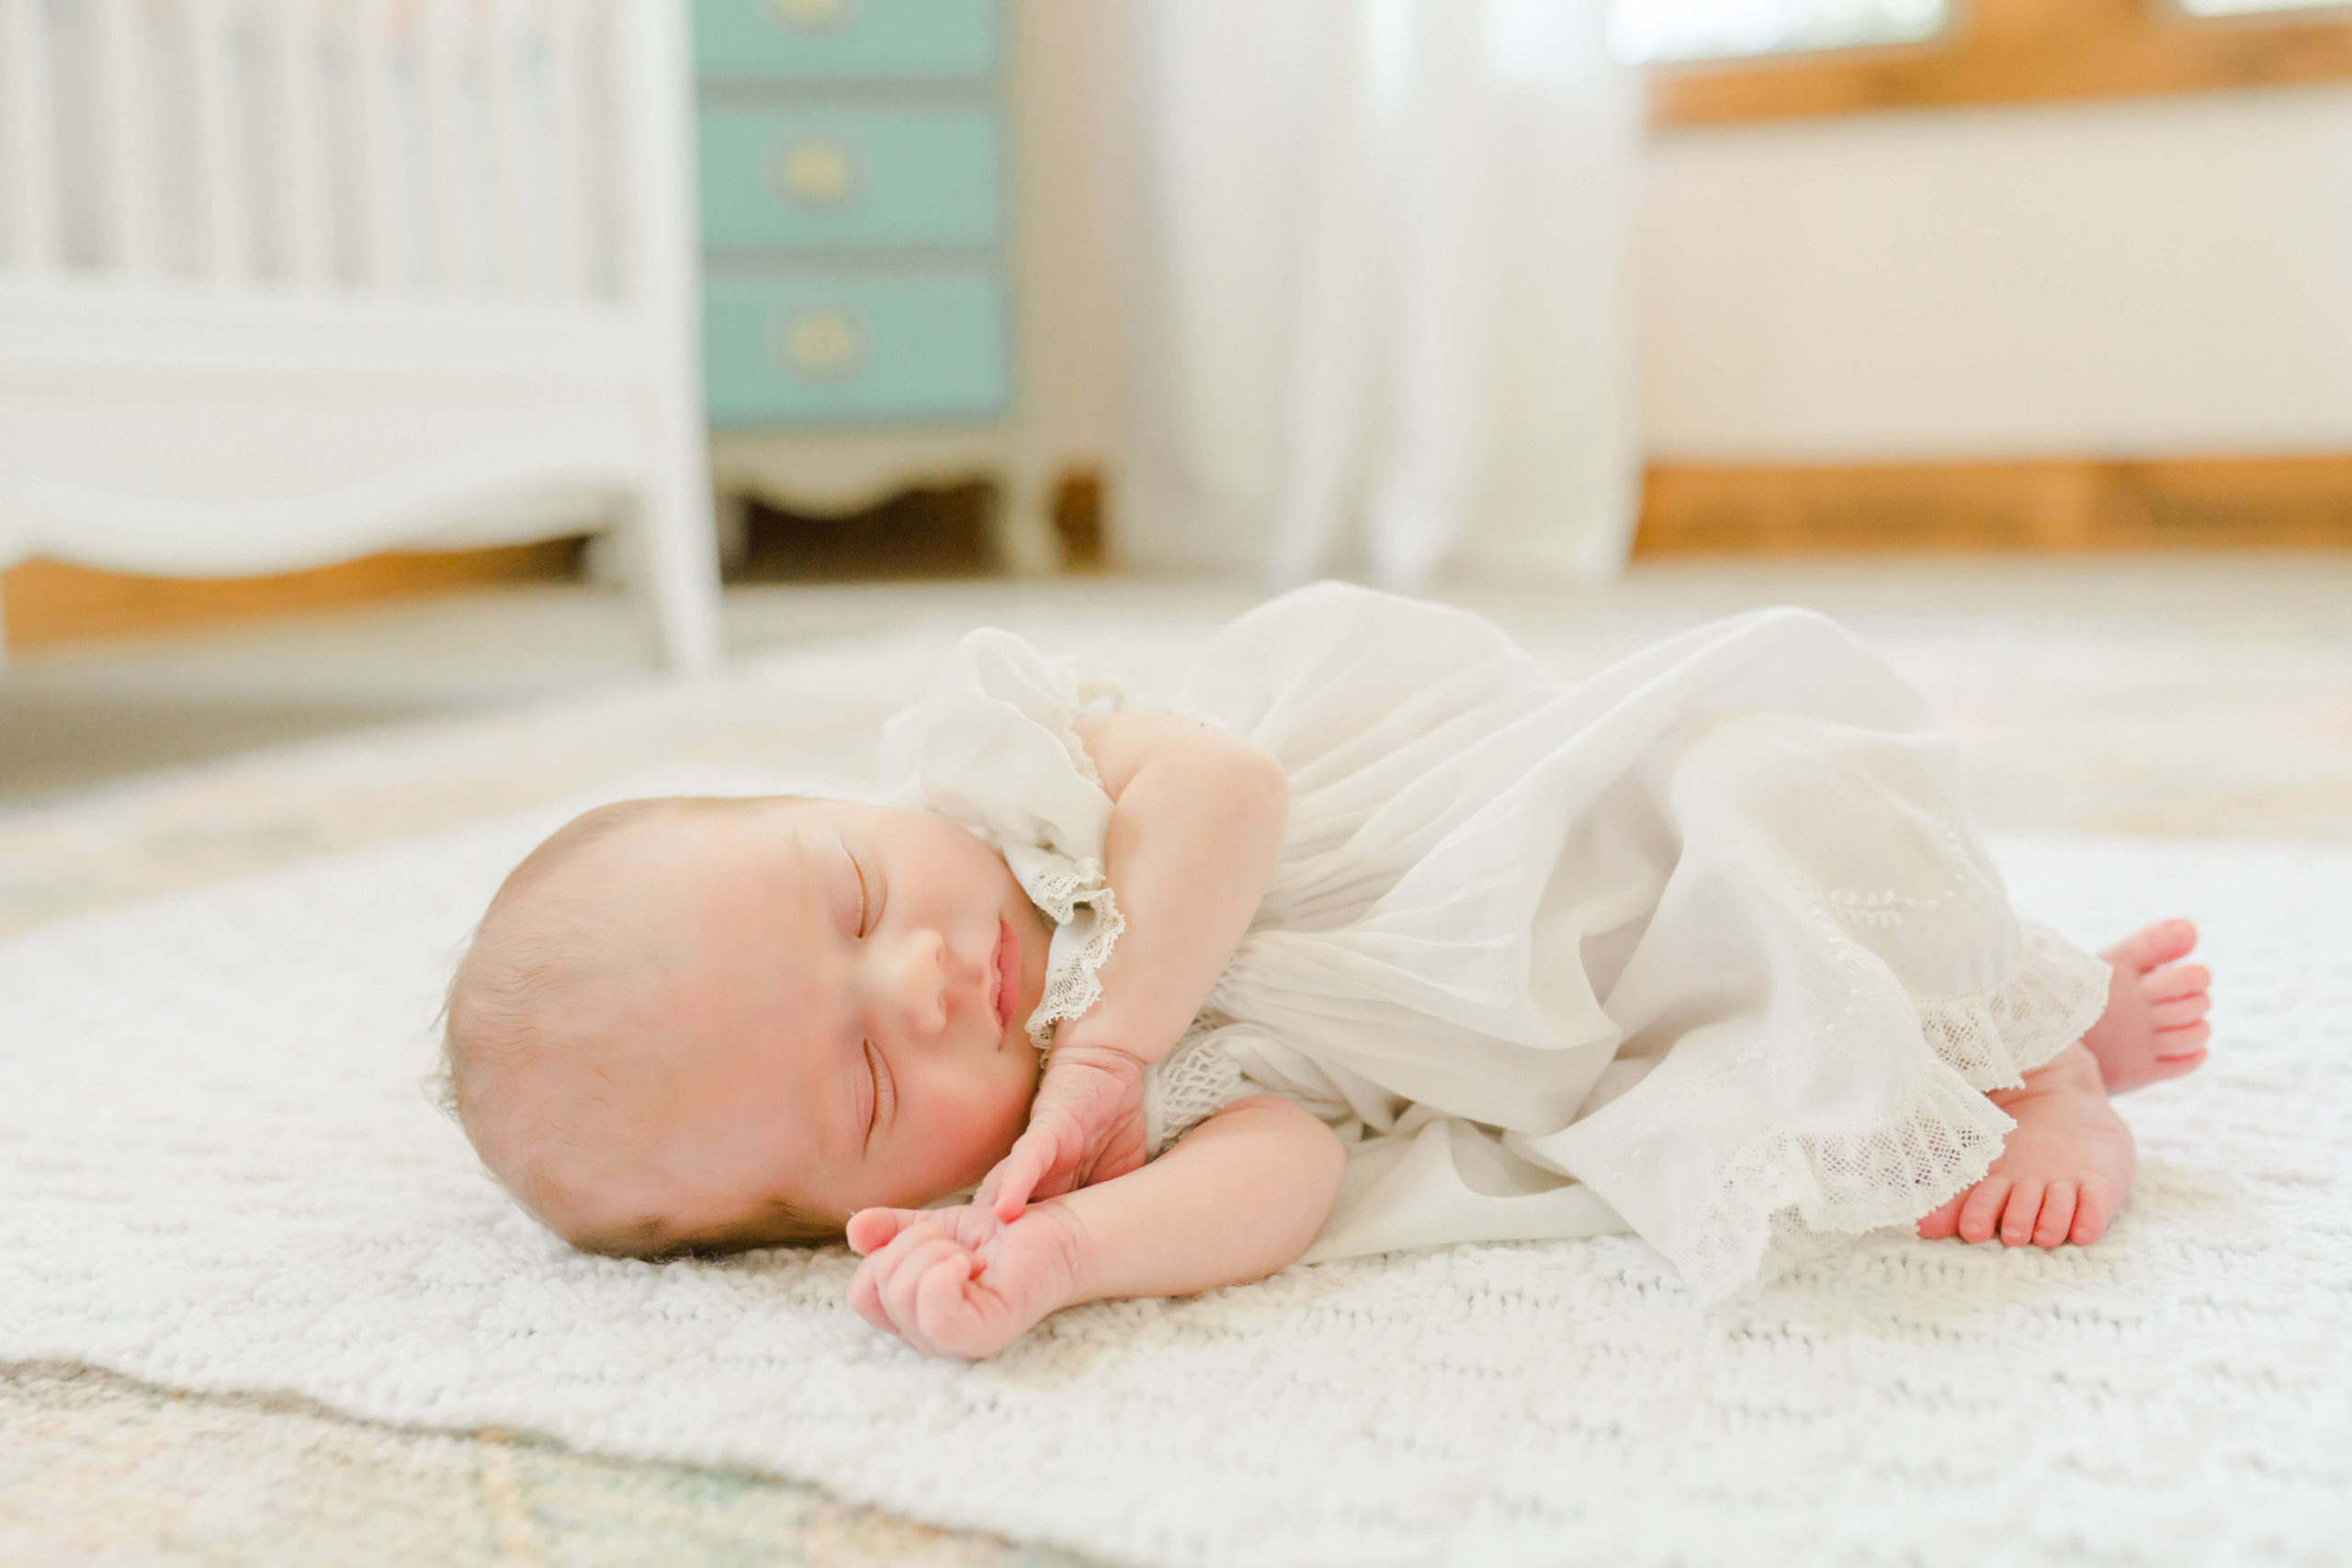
[1702, 946]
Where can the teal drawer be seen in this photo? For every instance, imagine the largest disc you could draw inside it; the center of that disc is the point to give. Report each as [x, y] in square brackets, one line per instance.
[801, 40]
[814, 349]
[820, 177]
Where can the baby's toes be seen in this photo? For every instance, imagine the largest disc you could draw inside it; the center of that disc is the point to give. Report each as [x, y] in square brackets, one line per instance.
[2182, 1040]
[2159, 944]
[2180, 980]
[2180, 1013]
[2023, 1208]
[1943, 1222]
[2057, 1215]
[1981, 1208]
[2180, 1051]
[2094, 1206]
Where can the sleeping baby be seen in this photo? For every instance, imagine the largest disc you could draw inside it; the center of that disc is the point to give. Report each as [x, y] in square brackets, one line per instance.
[1376, 935]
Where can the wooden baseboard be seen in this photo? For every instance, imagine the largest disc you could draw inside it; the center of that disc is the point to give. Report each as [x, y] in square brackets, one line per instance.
[2055, 507]
[48, 601]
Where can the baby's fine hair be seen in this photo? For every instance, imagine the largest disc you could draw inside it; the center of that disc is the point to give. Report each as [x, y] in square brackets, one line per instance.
[488, 1013]
[539, 939]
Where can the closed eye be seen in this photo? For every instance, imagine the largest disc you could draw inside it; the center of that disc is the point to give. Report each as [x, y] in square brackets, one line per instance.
[865, 898]
[882, 1082]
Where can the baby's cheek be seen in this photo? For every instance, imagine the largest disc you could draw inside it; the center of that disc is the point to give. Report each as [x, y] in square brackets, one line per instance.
[987, 1129]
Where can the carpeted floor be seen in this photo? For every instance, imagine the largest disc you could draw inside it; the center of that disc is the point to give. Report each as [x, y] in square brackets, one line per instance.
[2178, 698]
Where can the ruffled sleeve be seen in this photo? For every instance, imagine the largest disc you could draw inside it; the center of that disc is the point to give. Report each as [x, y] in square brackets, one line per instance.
[991, 746]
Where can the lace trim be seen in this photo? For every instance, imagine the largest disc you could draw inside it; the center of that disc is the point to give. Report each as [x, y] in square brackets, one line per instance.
[1996, 1037]
[1075, 989]
[1789, 1196]
[1186, 1086]
[1776, 1199]
[1059, 893]
[1089, 683]
[1779, 1200]
[1070, 993]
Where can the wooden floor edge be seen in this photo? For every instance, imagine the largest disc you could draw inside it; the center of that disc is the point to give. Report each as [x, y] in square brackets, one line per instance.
[2046, 506]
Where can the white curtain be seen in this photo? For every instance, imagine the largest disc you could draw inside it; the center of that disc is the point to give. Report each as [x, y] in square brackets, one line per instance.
[1379, 289]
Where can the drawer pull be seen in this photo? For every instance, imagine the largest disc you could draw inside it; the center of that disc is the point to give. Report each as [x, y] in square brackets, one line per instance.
[811, 16]
[827, 343]
[816, 171]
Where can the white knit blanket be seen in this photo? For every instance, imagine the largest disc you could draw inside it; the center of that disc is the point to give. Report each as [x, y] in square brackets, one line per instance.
[217, 1172]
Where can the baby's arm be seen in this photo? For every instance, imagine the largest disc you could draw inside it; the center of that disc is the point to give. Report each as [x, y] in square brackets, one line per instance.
[1196, 819]
[1238, 1197]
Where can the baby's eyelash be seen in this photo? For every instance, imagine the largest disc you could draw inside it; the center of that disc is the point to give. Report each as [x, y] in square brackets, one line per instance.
[881, 1071]
[865, 898]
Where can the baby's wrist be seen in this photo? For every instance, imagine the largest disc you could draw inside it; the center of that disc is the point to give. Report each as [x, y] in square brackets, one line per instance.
[1106, 1032]
[1080, 1261]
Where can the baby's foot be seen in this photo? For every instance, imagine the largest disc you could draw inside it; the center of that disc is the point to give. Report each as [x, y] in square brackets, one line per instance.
[2063, 1171]
[2154, 1025]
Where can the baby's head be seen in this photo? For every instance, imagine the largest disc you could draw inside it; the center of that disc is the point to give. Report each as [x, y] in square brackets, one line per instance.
[707, 1025]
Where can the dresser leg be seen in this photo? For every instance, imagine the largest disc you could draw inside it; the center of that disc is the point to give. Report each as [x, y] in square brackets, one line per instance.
[1024, 523]
[731, 515]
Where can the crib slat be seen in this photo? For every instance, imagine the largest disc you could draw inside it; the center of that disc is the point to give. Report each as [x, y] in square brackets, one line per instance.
[126, 115]
[374, 207]
[511, 203]
[566, 23]
[219, 162]
[28, 184]
[448, 214]
[299, 126]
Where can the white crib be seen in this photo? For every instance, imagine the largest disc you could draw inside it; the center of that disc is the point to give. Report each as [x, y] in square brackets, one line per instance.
[289, 281]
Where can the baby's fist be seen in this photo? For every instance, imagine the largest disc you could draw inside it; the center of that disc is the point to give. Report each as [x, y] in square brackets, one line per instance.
[956, 1283]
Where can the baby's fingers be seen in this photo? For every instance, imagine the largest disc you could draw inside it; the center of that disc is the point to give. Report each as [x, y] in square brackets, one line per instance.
[1016, 1176]
[903, 1288]
[866, 1296]
[872, 1229]
[870, 1288]
[945, 1322]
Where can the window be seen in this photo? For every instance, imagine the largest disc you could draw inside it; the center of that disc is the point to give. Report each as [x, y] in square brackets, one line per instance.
[1646, 32]
[1749, 60]
[2255, 7]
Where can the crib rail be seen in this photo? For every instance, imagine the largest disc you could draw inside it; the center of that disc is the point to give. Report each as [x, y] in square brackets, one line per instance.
[444, 147]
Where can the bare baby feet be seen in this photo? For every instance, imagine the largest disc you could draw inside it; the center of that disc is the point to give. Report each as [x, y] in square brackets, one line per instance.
[2063, 1171]
[2154, 1025]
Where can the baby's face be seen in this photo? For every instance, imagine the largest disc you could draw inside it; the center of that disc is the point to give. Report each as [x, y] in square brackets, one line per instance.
[835, 1009]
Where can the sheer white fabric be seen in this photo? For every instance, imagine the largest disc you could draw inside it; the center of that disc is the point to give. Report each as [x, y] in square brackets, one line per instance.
[1702, 946]
[1381, 307]
[991, 746]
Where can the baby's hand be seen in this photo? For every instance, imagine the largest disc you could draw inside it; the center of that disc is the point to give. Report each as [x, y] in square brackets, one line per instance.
[957, 1281]
[1086, 1126]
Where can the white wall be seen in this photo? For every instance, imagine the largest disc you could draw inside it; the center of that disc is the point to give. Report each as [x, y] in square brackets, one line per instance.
[2162, 276]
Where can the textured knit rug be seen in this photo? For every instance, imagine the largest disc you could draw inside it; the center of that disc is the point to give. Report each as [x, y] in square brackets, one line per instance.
[218, 1173]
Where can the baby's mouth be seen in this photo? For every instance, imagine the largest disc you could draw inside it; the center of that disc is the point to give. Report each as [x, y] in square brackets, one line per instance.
[1005, 988]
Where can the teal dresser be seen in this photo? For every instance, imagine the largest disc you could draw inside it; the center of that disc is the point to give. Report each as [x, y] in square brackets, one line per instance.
[857, 253]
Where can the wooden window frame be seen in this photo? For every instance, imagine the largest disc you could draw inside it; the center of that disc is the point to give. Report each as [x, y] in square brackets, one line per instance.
[2016, 51]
